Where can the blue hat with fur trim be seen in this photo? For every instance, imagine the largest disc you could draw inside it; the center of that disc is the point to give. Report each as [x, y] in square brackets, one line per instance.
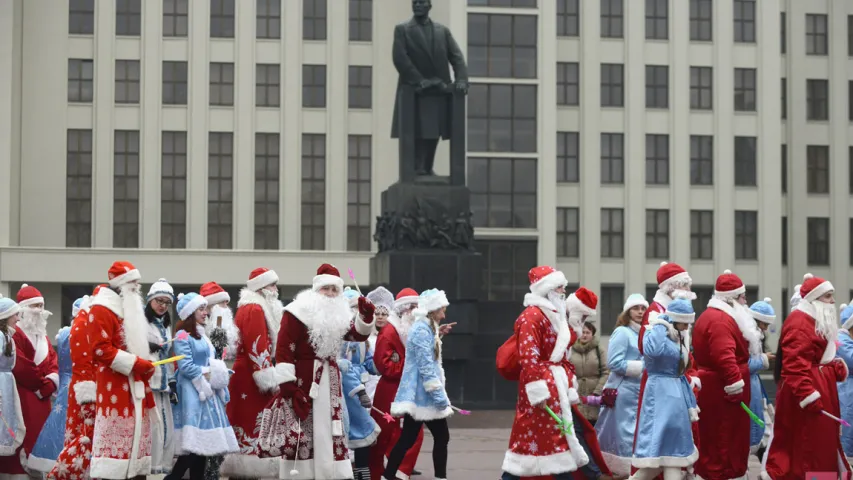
[8, 307]
[78, 304]
[680, 311]
[846, 316]
[351, 296]
[189, 303]
[763, 312]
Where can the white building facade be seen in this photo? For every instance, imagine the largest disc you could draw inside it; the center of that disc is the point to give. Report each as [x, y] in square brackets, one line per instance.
[200, 139]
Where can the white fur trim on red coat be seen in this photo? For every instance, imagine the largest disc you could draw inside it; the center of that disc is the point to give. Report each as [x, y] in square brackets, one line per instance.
[85, 392]
[634, 369]
[250, 466]
[363, 327]
[537, 392]
[734, 388]
[694, 414]
[53, 377]
[265, 379]
[285, 372]
[123, 362]
[810, 399]
[536, 465]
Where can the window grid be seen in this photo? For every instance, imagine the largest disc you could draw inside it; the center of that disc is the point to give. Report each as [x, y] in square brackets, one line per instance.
[818, 241]
[817, 41]
[784, 169]
[267, 85]
[702, 234]
[850, 168]
[612, 297]
[175, 18]
[502, 46]
[359, 160]
[81, 73]
[612, 19]
[502, 118]
[746, 235]
[174, 83]
[744, 18]
[267, 175]
[506, 265]
[568, 157]
[361, 20]
[817, 171]
[222, 18]
[817, 99]
[127, 82]
[222, 84]
[612, 233]
[78, 189]
[701, 20]
[313, 192]
[783, 32]
[568, 232]
[784, 98]
[785, 240]
[128, 17]
[701, 88]
[612, 85]
[126, 189]
[657, 233]
[220, 189]
[850, 54]
[745, 161]
[657, 159]
[268, 19]
[360, 93]
[745, 90]
[503, 192]
[568, 83]
[701, 160]
[657, 86]
[314, 13]
[657, 19]
[173, 190]
[568, 18]
[612, 158]
[314, 86]
[81, 17]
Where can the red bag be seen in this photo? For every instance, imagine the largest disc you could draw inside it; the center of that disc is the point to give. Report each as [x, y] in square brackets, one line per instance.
[507, 359]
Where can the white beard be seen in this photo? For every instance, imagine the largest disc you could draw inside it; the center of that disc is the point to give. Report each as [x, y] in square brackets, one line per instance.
[34, 321]
[134, 328]
[747, 327]
[826, 320]
[277, 310]
[330, 320]
[682, 294]
[403, 325]
[685, 337]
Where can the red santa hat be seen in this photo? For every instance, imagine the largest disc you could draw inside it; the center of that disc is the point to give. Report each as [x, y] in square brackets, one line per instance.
[122, 273]
[98, 289]
[29, 295]
[406, 297]
[544, 279]
[583, 300]
[728, 285]
[811, 289]
[213, 293]
[327, 275]
[671, 274]
[261, 277]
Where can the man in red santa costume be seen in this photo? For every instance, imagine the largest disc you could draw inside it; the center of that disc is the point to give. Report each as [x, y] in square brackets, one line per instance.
[124, 408]
[36, 373]
[314, 327]
[723, 338]
[544, 339]
[254, 382]
[221, 332]
[389, 358]
[804, 439]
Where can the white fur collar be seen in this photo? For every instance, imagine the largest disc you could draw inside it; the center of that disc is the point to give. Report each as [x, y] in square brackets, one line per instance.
[831, 348]
[397, 323]
[662, 298]
[134, 331]
[106, 297]
[301, 307]
[272, 313]
[560, 326]
[747, 326]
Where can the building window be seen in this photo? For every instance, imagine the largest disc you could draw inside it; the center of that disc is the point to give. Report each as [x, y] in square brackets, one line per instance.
[359, 160]
[745, 175]
[126, 189]
[267, 85]
[503, 3]
[70, 294]
[745, 94]
[267, 174]
[78, 189]
[502, 46]
[701, 160]
[746, 235]
[850, 48]
[612, 233]
[702, 234]
[612, 158]
[128, 17]
[817, 172]
[175, 83]
[612, 299]
[80, 80]
[313, 191]
[360, 20]
[127, 81]
[176, 18]
[744, 13]
[783, 29]
[503, 192]
[784, 169]
[173, 191]
[785, 240]
[817, 99]
[314, 86]
[314, 19]
[850, 100]
[568, 153]
[81, 17]
[568, 232]
[657, 19]
[818, 238]
[222, 18]
[701, 20]
[222, 84]
[612, 18]
[657, 233]
[506, 265]
[568, 83]
[502, 118]
[612, 85]
[360, 93]
[657, 86]
[784, 98]
[268, 19]
[568, 18]
[220, 188]
[817, 42]
[850, 169]
[850, 252]
[701, 88]
[657, 159]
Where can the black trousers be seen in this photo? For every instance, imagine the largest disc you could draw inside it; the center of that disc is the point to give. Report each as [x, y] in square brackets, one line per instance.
[192, 462]
[411, 428]
[362, 463]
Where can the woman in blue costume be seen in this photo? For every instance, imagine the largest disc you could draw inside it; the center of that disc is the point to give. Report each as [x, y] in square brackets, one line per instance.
[201, 427]
[664, 435]
[616, 423]
[845, 388]
[764, 316]
[52, 436]
[12, 429]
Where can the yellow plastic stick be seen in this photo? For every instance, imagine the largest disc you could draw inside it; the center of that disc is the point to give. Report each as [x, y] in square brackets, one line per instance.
[168, 360]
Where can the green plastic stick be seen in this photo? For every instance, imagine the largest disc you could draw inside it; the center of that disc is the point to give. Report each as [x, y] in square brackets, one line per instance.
[566, 427]
[753, 416]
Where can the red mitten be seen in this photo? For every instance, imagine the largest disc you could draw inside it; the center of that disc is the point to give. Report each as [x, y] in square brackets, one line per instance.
[840, 370]
[47, 389]
[814, 407]
[143, 369]
[366, 309]
[301, 404]
[735, 397]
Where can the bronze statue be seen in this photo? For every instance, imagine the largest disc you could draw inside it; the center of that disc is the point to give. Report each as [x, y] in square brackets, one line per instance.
[422, 51]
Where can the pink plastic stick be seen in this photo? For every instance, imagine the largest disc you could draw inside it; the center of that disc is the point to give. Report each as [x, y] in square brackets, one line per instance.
[839, 420]
[461, 412]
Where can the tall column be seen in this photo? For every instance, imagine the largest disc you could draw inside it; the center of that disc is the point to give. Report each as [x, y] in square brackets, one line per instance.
[337, 130]
[102, 133]
[290, 207]
[244, 126]
[198, 71]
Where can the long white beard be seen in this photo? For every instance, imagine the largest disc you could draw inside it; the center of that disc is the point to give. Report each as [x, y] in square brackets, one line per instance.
[277, 309]
[134, 327]
[34, 321]
[748, 328]
[331, 319]
[826, 320]
[403, 325]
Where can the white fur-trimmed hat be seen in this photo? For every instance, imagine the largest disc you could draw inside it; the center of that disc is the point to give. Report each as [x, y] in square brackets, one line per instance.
[634, 300]
[814, 287]
[583, 300]
[327, 275]
[381, 297]
[189, 303]
[260, 278]
[430, 301]
[544, 279]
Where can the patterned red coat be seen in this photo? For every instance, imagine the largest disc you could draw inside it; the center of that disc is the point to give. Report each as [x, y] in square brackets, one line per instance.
[803, 439]
[722, 359]
[36, 373]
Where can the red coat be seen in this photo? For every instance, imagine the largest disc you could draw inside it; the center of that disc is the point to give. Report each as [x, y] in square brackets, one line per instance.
[722, 358]
[804, 440]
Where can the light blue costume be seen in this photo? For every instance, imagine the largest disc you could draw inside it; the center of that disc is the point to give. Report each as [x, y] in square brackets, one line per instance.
[845, 388]
[664, 436]
[10, 403]
[421, 394]
[201, 426]
[52, 436]
[762, 312]
[615, 426]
